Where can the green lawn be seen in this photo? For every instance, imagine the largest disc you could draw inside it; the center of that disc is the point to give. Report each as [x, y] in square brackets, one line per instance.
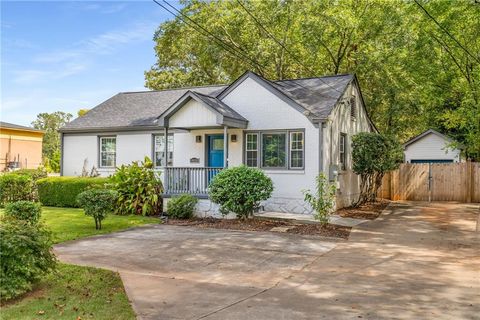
[73, 292]
[71, 223]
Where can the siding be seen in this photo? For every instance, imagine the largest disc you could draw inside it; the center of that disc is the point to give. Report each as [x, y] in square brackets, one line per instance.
[265, 111]
[193, 114]
[341, 122]
[431, 147]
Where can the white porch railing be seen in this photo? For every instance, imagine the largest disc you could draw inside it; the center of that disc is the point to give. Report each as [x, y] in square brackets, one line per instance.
[194, 181]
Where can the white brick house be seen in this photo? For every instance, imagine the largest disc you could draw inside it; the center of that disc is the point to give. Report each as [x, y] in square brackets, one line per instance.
[291, 129]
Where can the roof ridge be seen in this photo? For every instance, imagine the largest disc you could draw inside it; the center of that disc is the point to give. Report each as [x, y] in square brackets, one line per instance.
[321, 77]
[173, 89]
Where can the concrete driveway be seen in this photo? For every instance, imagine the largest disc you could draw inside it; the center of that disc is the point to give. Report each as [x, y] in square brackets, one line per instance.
[417, 261]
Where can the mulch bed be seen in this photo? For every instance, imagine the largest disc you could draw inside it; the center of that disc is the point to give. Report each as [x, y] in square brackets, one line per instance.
[368, 211]
[266, 225]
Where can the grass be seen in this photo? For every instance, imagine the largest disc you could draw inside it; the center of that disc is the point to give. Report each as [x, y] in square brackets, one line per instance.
[73, 292]
[71, 223]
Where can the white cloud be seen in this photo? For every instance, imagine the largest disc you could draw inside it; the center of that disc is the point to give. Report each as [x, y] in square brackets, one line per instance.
[102, 44]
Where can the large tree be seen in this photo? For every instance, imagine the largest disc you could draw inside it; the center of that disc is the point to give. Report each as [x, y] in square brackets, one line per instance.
[416, 72]
[50, 123]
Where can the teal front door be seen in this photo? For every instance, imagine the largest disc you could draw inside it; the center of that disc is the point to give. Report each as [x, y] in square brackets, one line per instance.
[215, 151]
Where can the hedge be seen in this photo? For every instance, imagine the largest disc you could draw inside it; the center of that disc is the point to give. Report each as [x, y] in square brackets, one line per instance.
[15, 187]
[63, 191]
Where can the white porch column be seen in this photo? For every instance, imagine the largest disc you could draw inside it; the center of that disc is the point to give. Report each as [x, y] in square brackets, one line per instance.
[225, 146]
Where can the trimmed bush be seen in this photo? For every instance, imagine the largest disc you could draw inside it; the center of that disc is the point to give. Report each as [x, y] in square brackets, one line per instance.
[139, 190]
[24, 210]
[25, 256]
[240, 190]
[181, 207]
[97, 203]
[33, 174]
[14, 187]
[63, 191]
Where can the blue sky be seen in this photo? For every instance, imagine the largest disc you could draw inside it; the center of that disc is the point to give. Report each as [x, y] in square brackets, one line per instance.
[65, 56]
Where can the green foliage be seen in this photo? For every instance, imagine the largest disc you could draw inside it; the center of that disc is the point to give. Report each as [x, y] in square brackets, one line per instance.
[373, 155]
[97, 203]
[25, 256]
[413, 75]
[50, 123]
[16, 187]
[240, 190]
[24, 210]
[33, 174]
[82, 112]
[181, 207]
[63, 191]
[323, 201]
[139, 190]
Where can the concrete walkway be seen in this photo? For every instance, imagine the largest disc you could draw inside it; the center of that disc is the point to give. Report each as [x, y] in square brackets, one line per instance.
[307, 218]
[418, 261]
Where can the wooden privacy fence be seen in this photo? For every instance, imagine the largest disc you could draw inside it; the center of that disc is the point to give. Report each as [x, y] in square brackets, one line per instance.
[433, 182]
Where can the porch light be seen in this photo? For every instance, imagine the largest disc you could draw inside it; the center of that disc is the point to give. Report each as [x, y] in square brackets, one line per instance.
[198, 139]
[234, 138]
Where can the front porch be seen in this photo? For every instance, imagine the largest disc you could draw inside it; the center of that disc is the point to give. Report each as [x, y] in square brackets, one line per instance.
[191, 180]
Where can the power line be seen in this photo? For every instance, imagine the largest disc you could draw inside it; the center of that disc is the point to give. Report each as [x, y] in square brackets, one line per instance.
[446, 31]
[273, 37]
[218, 40]
[282, 45]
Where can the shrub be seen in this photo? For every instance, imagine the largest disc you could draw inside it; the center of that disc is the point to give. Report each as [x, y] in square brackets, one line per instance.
[33, 174]
[25, 256]
[373, 155]
[139, 190]
[181, 207]
[15, 187]
[323, 200]
[24, 210]
[63, 191]
[240, 190]
[97, 203]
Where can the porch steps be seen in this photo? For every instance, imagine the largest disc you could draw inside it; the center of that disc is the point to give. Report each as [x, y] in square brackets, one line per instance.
[307, 219]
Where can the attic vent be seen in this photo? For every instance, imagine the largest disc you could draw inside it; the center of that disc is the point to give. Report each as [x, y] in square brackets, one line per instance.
[353, 108]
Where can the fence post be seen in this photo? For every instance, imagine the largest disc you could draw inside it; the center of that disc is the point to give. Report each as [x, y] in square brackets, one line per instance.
[469, 181]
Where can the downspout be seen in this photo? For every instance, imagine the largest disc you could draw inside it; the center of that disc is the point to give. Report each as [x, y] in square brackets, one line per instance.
[320, 146]
[61, 153]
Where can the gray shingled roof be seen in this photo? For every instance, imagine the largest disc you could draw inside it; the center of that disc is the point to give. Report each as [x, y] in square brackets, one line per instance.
[133, 110]
[317, 95]
[16, 126]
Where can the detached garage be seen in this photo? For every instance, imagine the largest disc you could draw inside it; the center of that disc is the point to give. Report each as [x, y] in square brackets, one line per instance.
[431, 147]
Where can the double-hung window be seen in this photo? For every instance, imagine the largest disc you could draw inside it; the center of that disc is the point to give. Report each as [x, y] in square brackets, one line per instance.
[296, 149]
[251, 149]
[108, 152]
[159, 150]
[275, 149]
[343, 151]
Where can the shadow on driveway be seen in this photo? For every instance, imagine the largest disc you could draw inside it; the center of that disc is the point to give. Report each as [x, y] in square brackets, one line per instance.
[417, 261]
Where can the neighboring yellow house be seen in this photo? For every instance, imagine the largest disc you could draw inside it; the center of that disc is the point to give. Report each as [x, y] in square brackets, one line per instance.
[20, 147]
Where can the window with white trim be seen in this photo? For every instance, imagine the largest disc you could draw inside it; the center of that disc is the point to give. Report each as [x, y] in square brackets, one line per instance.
[159, 150]
[108, 152]
[296, 150]
[282, 149]
[343, 151]
[251, 149]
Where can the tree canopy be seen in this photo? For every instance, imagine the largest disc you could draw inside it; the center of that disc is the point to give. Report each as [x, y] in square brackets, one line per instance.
[50, 123]
[418, 63]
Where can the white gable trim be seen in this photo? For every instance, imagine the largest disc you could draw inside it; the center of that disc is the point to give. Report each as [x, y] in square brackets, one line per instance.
[221, 119]
[265, 84]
